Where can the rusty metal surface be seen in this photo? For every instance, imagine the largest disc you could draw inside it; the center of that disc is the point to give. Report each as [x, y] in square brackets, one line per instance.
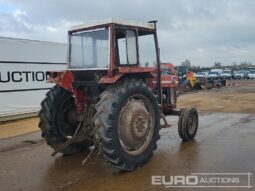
[136, 69]
[110, 80]
[136, 125]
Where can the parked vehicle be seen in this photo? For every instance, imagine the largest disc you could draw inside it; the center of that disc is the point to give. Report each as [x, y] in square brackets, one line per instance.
[214, 74]
[251, 74]
[226, 74]
[201, 75]
[206, 72]
[240, 75]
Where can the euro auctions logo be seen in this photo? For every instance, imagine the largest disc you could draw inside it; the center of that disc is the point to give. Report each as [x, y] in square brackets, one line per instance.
[203, 180]
[172, 181]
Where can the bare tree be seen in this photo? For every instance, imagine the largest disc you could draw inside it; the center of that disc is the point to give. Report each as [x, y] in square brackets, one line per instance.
[186, 63]
[217, 64]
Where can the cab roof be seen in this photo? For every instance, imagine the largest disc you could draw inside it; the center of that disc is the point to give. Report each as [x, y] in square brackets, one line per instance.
[112, 21]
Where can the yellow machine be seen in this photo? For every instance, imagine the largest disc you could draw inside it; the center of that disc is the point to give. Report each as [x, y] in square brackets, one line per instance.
[191, 78]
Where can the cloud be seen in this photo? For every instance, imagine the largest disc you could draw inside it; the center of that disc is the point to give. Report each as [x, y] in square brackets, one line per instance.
[203, 31]
[51, 29]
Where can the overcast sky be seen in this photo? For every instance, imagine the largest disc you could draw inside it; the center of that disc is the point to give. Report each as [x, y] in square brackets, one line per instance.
[203, 31]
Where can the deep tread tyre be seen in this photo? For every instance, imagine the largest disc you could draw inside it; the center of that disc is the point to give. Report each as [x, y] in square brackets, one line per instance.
[109, 108]
[188, 124]
[50, 124]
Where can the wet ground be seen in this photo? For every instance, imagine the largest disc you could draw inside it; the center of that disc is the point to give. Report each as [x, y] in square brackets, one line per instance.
[225, 143]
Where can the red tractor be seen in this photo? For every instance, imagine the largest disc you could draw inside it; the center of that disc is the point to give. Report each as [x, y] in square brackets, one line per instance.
[113, 95]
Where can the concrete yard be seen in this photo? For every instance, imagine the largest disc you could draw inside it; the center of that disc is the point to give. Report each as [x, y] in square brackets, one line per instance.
[225, 143]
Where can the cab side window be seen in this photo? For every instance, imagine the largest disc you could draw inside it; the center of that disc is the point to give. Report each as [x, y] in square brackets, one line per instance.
[127, 47]
[147, 51]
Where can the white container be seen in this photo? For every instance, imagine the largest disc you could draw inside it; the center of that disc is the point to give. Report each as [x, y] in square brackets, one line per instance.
[23, 66]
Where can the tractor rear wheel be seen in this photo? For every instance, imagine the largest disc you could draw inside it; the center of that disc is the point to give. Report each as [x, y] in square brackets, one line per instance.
[188, 124]
[127, 122]
[57, 120]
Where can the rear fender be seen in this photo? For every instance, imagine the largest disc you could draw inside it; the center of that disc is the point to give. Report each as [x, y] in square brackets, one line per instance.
[62, 78]
[110, 80]
[118, 77]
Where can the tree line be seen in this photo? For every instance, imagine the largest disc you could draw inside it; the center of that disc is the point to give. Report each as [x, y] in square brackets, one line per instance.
[234, 66]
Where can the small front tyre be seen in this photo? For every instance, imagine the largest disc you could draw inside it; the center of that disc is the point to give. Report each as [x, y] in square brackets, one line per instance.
[188, 124]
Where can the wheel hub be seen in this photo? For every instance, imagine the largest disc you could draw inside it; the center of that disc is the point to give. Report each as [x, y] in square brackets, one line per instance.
[139, 123]
[191, 124]
[135, 124]
[66, 118]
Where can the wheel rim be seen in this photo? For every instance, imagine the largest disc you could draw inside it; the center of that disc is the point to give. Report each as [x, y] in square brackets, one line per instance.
[67, 123]
[136, 124]
[192, 124]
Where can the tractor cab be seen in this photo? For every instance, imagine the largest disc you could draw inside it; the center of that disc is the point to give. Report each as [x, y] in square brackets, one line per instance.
[112, 44]
[111, 50]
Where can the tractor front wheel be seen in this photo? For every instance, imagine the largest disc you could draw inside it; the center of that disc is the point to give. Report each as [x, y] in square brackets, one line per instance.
[188, 124]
